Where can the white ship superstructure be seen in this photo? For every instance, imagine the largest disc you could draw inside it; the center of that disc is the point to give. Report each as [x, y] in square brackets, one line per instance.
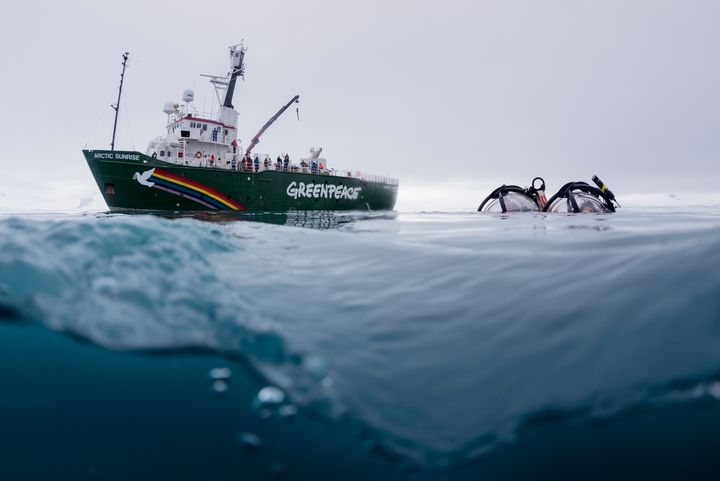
[197, 140]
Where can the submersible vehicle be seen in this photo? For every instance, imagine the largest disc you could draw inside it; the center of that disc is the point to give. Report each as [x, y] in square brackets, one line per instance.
[572, 198]
[199, 164]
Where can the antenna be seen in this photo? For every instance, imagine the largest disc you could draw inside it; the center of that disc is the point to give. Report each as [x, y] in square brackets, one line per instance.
[116, 106]
[220, 84]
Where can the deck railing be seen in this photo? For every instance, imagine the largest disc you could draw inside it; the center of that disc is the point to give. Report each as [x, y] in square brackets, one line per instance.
[331, 172]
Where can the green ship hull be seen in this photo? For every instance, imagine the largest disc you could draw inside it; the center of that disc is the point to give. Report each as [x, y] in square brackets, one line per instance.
[132, 180]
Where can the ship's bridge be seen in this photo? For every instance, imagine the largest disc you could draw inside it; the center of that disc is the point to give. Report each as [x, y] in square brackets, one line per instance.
[194, 139]
[199, 129]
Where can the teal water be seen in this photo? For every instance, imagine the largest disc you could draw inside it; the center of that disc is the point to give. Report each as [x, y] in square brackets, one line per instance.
[426, 345]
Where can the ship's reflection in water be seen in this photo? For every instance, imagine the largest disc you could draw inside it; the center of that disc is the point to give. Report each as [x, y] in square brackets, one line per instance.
[313, 219]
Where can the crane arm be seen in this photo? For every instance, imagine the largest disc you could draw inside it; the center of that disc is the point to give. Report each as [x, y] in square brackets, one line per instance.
[256, 139]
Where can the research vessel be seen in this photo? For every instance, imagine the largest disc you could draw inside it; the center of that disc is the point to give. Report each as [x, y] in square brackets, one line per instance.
[199, 164]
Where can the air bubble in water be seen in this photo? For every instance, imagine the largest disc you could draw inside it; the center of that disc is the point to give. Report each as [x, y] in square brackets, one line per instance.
[316, 366]
[219, 386]
[270, 395]
[287, 411]
[220, 373]
[249, 441]
[714, 389]
[698, 391]
[104, 285]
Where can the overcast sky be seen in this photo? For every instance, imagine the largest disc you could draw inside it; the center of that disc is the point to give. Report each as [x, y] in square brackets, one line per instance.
[427, 91]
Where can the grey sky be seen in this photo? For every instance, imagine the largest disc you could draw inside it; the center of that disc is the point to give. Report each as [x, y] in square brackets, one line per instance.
[424, 91]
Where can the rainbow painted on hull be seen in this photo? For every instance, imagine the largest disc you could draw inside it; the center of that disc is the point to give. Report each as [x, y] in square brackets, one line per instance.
[202, 194]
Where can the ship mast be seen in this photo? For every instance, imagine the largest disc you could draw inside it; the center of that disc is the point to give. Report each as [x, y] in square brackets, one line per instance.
[237, 55]
[116, 107]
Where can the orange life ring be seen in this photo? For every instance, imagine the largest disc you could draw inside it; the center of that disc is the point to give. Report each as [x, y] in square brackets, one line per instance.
[198, 154]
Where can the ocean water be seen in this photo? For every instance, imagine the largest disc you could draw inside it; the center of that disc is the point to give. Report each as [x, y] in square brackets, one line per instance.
[418, 345]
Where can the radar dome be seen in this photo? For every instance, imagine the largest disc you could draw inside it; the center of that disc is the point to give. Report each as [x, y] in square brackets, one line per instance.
[188, 95]
[170, 107]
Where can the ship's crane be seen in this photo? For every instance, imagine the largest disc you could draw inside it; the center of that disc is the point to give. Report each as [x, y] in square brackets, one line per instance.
[256, 139]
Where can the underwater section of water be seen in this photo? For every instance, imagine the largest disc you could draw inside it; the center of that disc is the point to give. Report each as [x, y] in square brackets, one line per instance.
[443, 338]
